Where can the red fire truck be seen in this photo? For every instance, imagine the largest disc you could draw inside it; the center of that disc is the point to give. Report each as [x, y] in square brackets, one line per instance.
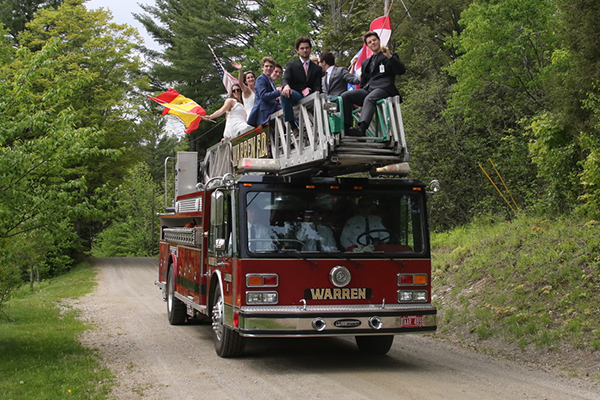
[271, 241]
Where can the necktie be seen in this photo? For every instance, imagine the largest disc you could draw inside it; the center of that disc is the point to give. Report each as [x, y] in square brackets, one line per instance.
[305, 67]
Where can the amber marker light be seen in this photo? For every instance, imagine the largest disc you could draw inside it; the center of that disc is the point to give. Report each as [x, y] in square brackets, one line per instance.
[310, 186]
[412, 279]
[255, 281]
[247, 185]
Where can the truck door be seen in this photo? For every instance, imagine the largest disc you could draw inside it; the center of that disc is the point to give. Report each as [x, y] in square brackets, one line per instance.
[220, 238]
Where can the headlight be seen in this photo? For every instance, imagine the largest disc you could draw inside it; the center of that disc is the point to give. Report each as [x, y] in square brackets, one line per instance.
[412, 296]
[262, 297]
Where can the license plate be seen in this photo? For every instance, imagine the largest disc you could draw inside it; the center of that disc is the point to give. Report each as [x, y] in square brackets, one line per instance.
[412, 321]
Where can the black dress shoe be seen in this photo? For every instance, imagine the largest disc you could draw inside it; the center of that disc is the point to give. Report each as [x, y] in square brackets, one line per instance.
[354, 132]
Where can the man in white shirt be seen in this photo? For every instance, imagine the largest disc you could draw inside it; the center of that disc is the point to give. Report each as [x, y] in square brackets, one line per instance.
[364, 229]
[314, 234]
[336, 79]
[260, 236]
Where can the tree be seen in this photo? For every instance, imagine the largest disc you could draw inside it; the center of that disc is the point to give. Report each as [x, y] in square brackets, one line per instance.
[504, 49]
[101, 56]
[565, 143]
[39, 196]
[284, 22]
[15, 14]
[185, 29]
[133, 230]
[70, 124]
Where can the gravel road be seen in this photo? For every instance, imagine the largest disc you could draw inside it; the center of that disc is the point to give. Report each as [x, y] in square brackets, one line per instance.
[154, 360]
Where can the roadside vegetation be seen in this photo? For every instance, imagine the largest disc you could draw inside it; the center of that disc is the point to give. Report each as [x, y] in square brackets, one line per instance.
[530, 282]
[40, 352]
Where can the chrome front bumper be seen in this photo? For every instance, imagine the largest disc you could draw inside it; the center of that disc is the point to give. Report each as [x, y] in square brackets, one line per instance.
[289, 321]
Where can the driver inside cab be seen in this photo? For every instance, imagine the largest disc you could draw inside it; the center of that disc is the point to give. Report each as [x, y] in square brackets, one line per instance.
[365, 228]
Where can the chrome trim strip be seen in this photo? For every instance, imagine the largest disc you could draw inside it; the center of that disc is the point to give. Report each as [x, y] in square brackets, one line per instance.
[412, 307]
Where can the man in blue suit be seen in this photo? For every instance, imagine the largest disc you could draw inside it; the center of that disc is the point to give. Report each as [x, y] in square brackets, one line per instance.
[377, 82]
[301, 78]
[267, 95]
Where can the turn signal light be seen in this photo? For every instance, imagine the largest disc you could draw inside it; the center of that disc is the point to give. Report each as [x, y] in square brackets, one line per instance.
[262, 280]
[412, 279]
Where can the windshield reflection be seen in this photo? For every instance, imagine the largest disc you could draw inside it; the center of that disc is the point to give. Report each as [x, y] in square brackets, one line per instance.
[382, 222]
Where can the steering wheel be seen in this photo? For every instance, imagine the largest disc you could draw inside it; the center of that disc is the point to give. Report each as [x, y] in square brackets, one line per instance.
[371, 240]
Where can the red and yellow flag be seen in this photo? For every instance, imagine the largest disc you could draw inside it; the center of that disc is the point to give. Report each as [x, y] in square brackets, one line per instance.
[186, 109]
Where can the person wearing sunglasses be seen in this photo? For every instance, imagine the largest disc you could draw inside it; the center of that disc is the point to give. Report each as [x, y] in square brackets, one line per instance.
[247, 81]
[235, 122]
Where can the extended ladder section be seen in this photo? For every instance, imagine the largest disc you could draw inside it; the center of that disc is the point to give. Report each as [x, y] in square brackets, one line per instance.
[319, 145]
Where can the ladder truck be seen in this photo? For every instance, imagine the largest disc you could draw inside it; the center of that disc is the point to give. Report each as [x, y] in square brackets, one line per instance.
[269, 236]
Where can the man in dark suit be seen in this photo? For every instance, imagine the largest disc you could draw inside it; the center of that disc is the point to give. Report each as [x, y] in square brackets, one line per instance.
[336, 79]
[267, 95]
[301, 78]
[377, 82]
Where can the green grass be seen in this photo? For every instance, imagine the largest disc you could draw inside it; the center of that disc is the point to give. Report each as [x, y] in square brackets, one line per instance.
[531, 281]
[40, 356]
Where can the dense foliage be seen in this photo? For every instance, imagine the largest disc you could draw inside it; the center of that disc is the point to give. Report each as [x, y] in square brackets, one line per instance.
[69, 130]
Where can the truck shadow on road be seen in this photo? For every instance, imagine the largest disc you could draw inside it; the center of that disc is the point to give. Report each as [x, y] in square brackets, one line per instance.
[323, 354]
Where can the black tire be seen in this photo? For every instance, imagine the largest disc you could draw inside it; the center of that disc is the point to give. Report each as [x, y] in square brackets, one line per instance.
[376, 345]
[228, 343]
[176, 310]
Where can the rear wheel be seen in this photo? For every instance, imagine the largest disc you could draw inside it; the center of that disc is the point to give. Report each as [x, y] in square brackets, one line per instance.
[228, 343]
[176, 310]
[377, 345]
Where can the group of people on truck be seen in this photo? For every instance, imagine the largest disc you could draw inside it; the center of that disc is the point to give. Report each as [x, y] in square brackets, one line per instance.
[253, 100]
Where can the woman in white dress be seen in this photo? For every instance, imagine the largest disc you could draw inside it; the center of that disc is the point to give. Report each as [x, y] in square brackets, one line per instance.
[235, 122]
[246, 80]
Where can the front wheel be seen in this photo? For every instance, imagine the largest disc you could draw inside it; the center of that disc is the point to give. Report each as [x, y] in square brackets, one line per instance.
[176, 310]
[376, 345]
[228, 343]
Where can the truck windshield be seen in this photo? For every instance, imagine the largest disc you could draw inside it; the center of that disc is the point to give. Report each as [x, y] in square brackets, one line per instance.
[384, 222]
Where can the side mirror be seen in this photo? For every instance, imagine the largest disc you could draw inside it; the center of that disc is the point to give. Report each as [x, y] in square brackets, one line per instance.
[434, 187]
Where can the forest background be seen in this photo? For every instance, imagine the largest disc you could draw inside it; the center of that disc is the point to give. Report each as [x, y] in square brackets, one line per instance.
[82, 148]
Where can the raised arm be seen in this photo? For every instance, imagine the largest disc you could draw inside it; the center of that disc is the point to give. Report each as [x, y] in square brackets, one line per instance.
[245, 89]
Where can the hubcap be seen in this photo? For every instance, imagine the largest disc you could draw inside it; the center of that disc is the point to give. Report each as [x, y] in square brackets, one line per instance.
[217, 317]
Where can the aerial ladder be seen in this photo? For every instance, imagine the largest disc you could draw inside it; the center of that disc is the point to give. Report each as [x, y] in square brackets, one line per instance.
[319, 146]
